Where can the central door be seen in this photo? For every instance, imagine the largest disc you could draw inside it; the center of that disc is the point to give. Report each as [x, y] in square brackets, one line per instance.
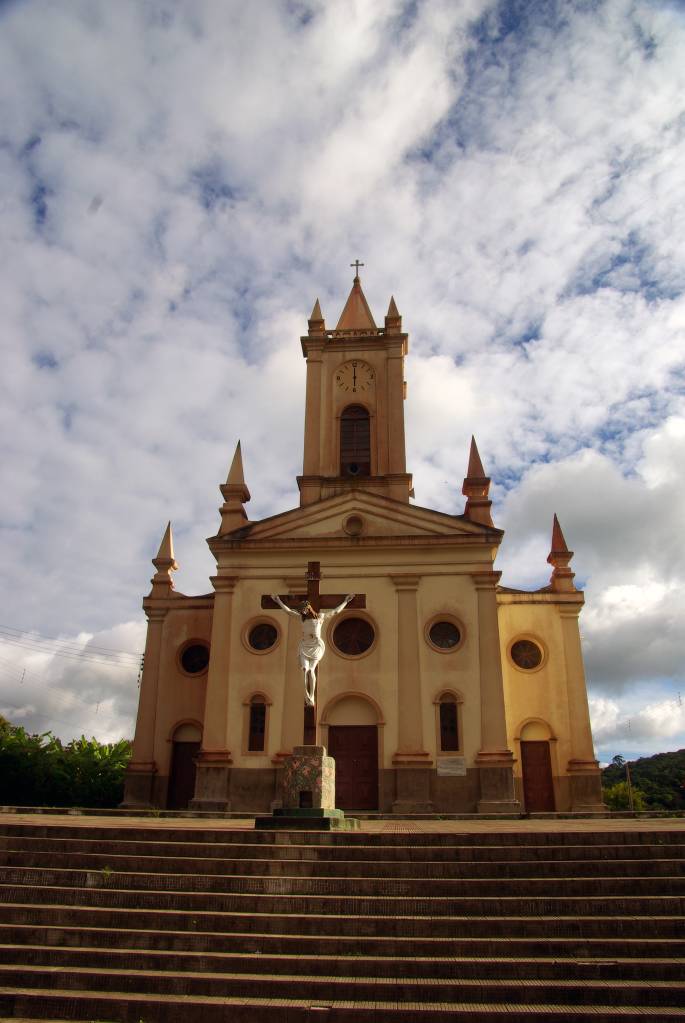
[355, 751]
[538, 785]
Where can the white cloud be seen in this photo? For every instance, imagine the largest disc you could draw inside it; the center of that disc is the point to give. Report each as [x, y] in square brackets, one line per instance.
[659, 725]
[179, 183]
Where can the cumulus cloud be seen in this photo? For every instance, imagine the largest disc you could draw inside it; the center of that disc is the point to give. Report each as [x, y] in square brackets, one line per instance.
[180, 182]
[633, 731]
[87, 684]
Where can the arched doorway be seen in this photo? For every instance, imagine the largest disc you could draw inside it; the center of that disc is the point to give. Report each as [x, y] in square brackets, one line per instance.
[186, 742]
[353, 743]
[536, 768]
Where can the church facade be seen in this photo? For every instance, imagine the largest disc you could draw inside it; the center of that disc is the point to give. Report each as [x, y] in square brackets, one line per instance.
[440, 691]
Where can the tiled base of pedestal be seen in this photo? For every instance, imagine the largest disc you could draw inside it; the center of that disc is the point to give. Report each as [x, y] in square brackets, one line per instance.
[307, 820]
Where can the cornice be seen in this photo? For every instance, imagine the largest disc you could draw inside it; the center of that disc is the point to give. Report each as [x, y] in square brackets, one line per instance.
[155, 607]
[224, 543]
[573, 600]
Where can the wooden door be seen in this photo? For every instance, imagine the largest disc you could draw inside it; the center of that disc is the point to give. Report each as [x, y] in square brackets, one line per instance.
[182, 775]
[538, 786]
[355, 751]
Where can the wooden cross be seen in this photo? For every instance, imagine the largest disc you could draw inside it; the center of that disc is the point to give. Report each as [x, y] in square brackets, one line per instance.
[319, 601]
[356, 266]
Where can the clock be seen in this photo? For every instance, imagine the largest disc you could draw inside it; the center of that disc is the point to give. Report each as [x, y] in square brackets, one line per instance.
[355, 377]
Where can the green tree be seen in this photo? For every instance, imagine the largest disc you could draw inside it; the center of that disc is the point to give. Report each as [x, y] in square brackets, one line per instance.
[616, 797]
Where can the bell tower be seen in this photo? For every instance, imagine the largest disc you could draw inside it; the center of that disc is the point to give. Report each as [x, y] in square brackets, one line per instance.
[354, 412]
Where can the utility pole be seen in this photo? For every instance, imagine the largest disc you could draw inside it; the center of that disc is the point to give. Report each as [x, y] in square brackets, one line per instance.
[630, 788]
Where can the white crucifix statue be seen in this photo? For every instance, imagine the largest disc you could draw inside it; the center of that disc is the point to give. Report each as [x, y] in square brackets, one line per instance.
[313, 613]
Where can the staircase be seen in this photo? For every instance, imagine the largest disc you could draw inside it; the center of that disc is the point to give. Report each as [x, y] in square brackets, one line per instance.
[163, 923]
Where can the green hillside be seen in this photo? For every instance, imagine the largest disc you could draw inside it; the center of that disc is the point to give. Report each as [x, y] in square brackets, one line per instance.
[660, 779]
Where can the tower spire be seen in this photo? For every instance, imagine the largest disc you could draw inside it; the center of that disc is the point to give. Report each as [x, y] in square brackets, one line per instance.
[165, 563]
[356, 315]
[476, 489]
[559, 557]
[235, 494]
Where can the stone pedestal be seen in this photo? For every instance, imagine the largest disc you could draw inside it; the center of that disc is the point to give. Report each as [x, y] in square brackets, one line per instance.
[212, 782]
[138, 786]
[308, 794]
[496, 779]
[412, 786]
[309, 779]
[586, 787]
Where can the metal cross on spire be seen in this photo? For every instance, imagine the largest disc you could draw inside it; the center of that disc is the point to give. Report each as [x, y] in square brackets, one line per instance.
[356, 266]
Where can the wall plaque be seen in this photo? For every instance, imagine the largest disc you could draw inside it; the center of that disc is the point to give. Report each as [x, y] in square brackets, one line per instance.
[451, 767]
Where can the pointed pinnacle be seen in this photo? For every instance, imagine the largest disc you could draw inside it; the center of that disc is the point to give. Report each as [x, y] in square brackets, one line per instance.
[559, 544]
[236, 476]
[166, 548]
[317, 315]
[392, 313]
[475, 469]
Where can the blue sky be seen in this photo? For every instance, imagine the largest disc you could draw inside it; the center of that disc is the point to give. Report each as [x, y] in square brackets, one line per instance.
[180, 181]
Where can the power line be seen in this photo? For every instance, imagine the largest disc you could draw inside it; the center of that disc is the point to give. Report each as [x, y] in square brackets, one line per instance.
[37, 647]
[33, 637]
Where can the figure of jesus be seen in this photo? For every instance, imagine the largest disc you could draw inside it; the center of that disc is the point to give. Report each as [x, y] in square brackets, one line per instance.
[312, 646]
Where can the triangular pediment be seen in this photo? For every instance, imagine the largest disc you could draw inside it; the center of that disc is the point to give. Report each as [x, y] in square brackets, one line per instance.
[361, 513]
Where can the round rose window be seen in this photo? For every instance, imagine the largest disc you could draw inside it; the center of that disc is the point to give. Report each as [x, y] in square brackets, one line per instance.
[526, 654]
[195, 658]
[353, 636]
[444, 634]
[262, 636]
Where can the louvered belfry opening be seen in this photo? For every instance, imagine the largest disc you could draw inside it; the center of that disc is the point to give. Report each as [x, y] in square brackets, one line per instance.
[355, 442]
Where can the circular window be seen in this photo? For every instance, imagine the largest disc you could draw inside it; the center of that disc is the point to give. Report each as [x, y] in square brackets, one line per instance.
[353, 525]
[353, 636]
[195, 658]
[526, 654]
[262, 636]
[445, 635]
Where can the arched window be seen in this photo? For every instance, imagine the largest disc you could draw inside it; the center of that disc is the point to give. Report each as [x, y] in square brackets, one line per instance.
[355, 442]
[257, 725]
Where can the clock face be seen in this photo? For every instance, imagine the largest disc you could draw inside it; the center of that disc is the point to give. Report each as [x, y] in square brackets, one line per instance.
[355, 377]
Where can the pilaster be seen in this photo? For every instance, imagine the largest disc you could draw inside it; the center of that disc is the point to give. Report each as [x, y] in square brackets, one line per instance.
[412, 763]
[142, 768]
[214, 760]
[312, 420]
[583, 768]
[494, 760]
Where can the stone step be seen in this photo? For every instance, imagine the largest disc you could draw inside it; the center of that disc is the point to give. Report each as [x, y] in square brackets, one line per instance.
[254, 943]
[101, 891]
[341, 988]
[451, 853]
[116, 862]
[369, 840]
[540, 924]
[316, 964]
[16, 1004]
[152, 923]
[396, 888]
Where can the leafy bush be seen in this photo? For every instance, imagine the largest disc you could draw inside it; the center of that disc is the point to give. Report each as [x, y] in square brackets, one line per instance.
[616, 797]
[38, 770]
